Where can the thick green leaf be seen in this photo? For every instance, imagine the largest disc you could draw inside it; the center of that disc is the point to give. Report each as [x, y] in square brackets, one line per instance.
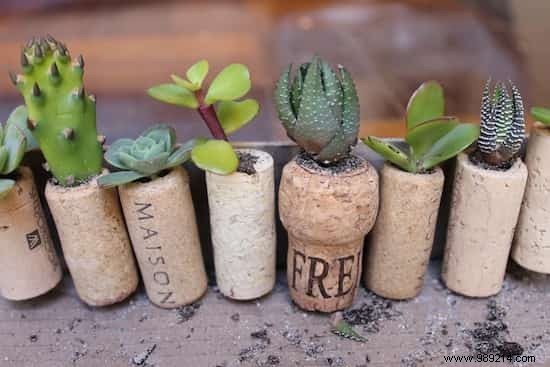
[184, 83]
[111, 156]
[216, 156]
[18, 117]
[197, 72]
[162, 133]
[5, 186]
[3, 157]
[424, 136]
[426, 103]
[146, 167]
[183, 153]
[452, 143]
[389, 152]
[119, 178]
[235, 114]
[15, 143]
[231, 83]
[174, 94]
[541, 114]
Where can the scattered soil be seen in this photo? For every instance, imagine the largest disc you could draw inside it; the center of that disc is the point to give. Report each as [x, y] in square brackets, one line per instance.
[477, 159]
[236, 317]
[246, 163]
[345, 165]
[262, 335]
[252, 351]
[184, 313]
[141, 358]
[371, 313]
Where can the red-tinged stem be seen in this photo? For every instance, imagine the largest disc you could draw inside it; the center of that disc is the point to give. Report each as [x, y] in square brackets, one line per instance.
[208, 114]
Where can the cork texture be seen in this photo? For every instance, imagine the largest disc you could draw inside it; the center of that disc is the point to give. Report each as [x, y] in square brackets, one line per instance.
[161, 222]
[401, 241]
[94, 240]
[327, 217]
[242, 222]
[484, 212]
[29, 266]
[531, 247]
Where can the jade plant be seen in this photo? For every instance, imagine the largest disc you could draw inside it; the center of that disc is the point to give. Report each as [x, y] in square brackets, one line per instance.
[542, 115]
[502, 126]
[319, 110]
[13, 144]
[431, 137]
[61, 115]
[220, 106]
[152, 153]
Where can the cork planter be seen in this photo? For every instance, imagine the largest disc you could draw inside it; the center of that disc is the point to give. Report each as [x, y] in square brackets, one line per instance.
[531, 247]
[242, 221]
[161, 221]
[402, 238]
[94, 241]
[29, 266]
[327, 215]
[484, 212]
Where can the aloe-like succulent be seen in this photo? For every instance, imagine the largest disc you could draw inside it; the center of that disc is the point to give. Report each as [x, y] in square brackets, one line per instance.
[502, 125]
[13, 145]
[542, 115]
[61, 116]
[153, 152]
[319, 111]
[431, 137]
[219, 106]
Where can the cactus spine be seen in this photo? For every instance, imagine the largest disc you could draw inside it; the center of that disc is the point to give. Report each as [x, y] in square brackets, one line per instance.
[61, 116]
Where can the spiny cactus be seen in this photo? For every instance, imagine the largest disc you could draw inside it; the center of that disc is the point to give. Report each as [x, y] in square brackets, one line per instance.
[152, 152]
[13, 145]
[502, 125]
[61, 116]
[431, 137]
[319, 111]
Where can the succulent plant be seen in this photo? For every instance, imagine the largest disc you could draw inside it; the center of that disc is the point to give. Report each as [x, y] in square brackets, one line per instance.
[219, 106]
[153, 152]
[13, 144]
[502, 125]
[319, 111]
[61, 116]
[431, 137]
[542, 115]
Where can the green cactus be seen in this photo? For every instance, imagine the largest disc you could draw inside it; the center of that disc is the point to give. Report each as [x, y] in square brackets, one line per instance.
[13, 144]
[154, 151]
[319, 111]
[219, 107]
[61, 116]
[542, 115]
[431, 137]
[502, 125]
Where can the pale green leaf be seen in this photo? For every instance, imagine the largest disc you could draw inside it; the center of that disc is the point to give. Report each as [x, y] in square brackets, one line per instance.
[111, 156]
[15, 143]
[184, 83]
[183, 153]
[174, 94]
[452, 143]
[216, 156]
[118, 178]
[426, 103]
[235, 114]
[231, 83]
[541, 114]
[197, 72]
[18, 117]
[389, 152]
[422, 137]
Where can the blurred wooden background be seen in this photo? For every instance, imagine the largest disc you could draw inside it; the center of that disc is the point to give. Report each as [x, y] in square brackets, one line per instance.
[389, 46]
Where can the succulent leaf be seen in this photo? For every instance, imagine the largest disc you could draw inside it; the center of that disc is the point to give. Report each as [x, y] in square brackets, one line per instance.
[111, 155]
[4, 154]
[119, 178]
[197, 72]
[231, 83]
[174, 94]
[422, 137]
[6, 185]
[15, 145]
[390, 152]
[426, 103]
[216, 156]
[18, 117]
[235, 114]
[541, 114]
[184, 83]
[283, 101]
[56, 102]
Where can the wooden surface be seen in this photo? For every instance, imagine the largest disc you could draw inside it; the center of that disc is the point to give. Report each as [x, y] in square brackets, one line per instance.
[58, 330]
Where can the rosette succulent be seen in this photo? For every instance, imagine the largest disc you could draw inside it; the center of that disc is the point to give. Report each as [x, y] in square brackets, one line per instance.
[502, 125]
[13, 144]
[319, 110]
[61, 115]
[431, 137]
[153, 152]
[219, 106]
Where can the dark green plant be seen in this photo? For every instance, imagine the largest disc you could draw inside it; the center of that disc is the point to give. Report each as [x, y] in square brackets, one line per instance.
[542, 115]
[319, 111]
[431, 137]
[13, 145]
[153, 152]
[219, 106]
[502, 125]
[61, 116]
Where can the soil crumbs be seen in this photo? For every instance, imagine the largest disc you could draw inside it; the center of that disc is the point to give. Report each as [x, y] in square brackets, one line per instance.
[344, 165]
[371, 313]
[184, 313]
[246, 163]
